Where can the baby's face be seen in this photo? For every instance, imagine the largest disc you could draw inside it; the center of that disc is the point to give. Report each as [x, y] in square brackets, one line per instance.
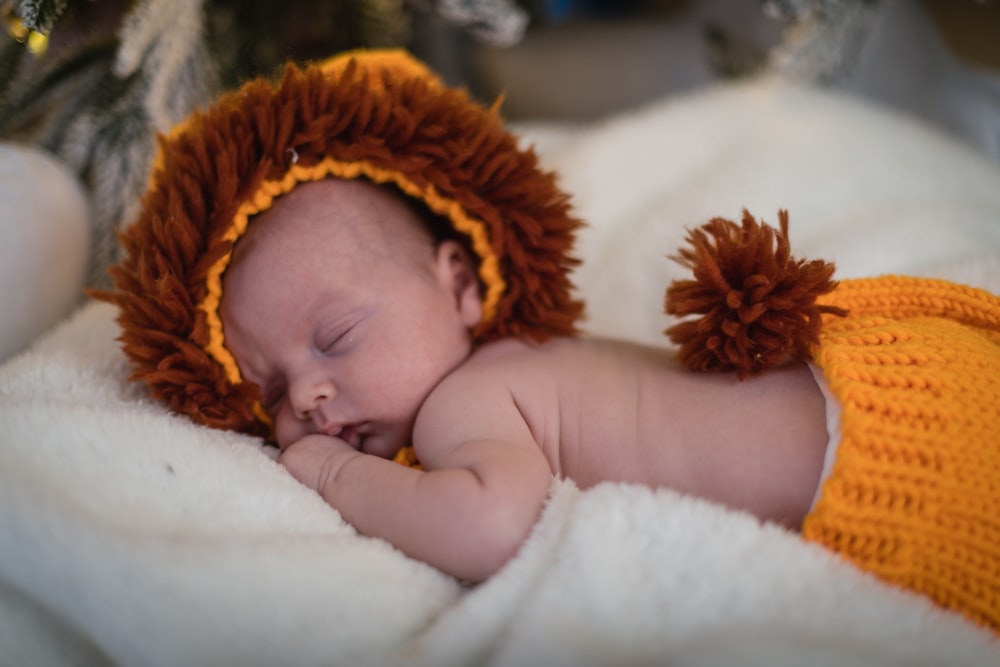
[344, 315]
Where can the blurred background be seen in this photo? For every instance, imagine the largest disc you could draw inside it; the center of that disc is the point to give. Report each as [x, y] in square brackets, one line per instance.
[560, 59]
[86, 85]
[939, 59]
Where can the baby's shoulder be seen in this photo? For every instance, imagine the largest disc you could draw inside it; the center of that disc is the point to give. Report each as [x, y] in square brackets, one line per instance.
[483, 393]
[528, 367]
[502, 350]
[518, 355]
[508, 362]
[496, 362]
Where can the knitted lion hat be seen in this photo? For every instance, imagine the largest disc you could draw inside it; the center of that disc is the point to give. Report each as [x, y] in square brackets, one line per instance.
[378, 115]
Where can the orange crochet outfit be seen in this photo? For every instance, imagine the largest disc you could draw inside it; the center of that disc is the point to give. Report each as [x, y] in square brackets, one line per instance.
[914, 492]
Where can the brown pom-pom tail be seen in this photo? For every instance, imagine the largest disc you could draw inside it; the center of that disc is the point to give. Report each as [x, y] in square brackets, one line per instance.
[753, 304]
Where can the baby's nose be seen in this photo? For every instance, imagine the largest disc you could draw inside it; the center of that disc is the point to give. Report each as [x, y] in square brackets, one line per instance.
[308, 397]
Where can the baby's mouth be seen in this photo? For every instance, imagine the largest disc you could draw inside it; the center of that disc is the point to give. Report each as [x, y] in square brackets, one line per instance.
[352, 435]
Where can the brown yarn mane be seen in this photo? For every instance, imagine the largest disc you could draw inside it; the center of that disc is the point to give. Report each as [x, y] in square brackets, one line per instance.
[434, 136]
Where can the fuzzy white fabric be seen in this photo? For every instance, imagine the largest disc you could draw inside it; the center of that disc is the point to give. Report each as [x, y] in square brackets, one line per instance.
[130, 536]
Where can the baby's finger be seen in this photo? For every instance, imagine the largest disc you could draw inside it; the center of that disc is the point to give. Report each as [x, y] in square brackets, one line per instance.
[315, 459]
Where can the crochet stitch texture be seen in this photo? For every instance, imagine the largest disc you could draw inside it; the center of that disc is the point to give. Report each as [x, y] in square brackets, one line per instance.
[914, 494]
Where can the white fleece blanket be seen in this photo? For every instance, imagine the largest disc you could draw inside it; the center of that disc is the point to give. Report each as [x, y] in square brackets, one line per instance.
[129, 536]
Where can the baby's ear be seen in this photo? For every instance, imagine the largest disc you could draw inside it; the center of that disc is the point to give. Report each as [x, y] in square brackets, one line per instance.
[457, 273]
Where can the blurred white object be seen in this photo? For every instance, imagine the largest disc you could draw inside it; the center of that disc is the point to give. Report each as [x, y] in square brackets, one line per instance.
[44, 242]
[892, 52]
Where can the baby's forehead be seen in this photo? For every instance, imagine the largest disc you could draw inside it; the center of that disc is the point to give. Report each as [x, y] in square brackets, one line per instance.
[334, 215]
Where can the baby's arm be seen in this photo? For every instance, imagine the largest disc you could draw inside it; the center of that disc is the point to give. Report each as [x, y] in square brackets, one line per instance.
[484, 481]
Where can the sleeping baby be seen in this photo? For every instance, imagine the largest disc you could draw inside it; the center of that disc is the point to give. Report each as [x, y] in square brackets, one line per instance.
[361, 264]
[356, 326]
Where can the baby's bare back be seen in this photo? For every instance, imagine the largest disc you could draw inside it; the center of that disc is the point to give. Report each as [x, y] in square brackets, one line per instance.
[612, 411]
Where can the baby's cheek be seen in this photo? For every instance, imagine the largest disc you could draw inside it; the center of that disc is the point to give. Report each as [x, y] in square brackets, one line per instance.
[287, 429]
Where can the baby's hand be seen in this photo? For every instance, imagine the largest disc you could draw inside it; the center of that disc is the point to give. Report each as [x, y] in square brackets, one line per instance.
[316, 459]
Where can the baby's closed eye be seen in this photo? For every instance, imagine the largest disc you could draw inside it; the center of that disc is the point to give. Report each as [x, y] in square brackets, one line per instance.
[335, 340]
[338, 336]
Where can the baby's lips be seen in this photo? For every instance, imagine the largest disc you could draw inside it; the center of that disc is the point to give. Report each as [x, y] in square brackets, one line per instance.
[350, 433]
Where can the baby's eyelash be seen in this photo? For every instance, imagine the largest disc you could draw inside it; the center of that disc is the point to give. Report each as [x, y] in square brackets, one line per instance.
[333, 343]
[333, 339]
